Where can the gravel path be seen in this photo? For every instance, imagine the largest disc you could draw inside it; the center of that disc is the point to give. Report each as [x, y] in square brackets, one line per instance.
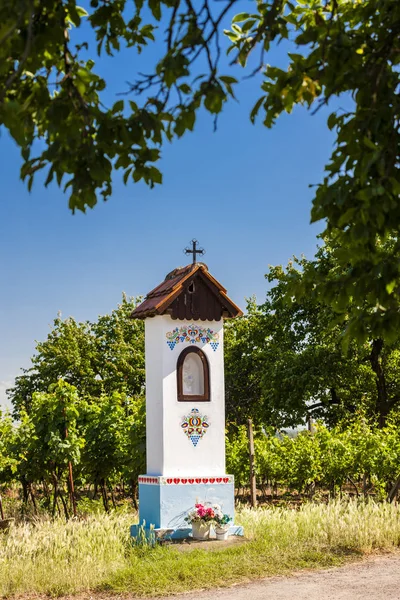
[377, 578]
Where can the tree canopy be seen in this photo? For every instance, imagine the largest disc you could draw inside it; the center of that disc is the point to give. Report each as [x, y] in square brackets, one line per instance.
[286, 359]
[51, 102]
[102, 357]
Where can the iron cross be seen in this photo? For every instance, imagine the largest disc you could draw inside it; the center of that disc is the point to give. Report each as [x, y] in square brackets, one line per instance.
[194, 250]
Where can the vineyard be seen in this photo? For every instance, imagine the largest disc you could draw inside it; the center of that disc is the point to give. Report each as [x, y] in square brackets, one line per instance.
[68, 450]
[356, 457]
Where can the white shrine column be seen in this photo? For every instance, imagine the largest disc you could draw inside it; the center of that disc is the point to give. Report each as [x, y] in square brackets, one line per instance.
[170, 450]
[185, 399]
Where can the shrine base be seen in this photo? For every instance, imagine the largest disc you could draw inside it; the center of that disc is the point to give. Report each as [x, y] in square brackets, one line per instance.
[164, 502]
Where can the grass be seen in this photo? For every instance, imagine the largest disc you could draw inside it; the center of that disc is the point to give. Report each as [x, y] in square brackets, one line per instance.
[59, 558]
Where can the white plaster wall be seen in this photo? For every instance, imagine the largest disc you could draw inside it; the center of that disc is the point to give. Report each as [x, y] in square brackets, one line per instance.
[154, 398]
[169, 451]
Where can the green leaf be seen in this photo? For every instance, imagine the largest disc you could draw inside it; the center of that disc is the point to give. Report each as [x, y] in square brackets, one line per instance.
[240, 17]
[369, 143]
[118, 107]
[256, 108]
[185, 88]
[332, 120]
[391, 286]
[126, 174]
[81, 11]
[155, 7]
[228, 79]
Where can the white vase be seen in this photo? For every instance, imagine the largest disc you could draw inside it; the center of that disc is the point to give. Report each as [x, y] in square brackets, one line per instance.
[221, 533]
[200, 531]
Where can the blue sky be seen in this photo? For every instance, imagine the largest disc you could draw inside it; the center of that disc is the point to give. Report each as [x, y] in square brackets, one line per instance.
[242, 192]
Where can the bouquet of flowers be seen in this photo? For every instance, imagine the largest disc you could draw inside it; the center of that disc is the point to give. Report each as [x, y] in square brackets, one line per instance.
[220, 519]
[201, 514]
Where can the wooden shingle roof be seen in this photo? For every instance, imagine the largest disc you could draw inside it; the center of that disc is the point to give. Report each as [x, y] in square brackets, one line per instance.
[189, 292]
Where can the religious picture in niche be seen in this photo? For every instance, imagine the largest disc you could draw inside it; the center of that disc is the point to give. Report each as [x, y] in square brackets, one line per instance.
[193, 375]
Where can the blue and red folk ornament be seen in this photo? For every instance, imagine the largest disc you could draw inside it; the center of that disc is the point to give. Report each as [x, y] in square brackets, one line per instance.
[193, 334]
[195, 426]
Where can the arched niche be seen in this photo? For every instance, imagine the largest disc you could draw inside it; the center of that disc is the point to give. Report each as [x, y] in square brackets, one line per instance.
[193, 376]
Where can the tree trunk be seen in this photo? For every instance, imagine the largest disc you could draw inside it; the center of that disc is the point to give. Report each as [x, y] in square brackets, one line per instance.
[64, 505]
[104, 495]
[33, 499]
[55, 492]
[394, 491]
[25, 491]
[71, 489]
[112, 495]
[382, 403]
[365, 481]
[354, 486]
[46, 490]
[134, 493]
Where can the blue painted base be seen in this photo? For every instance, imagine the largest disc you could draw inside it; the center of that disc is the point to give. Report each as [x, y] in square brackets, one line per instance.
[177, 534]
[165, 502]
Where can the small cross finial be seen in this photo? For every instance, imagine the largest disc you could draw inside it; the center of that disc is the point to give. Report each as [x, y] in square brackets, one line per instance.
[194, 250]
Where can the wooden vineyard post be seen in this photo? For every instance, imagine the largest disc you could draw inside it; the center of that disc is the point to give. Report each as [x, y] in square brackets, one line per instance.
[253, 487]
[71, 486]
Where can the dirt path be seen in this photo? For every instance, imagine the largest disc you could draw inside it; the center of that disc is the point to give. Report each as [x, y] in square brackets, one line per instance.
[377, 578]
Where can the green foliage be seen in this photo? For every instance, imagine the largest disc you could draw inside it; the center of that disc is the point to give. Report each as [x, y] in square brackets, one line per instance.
[49, 438]
[286, 358]
[51, 93]
[79, 407]
[344, 49]
[114, 432]
[8, 462]
[244, 340]
[328, 458]
[103, 439]
[102, 357]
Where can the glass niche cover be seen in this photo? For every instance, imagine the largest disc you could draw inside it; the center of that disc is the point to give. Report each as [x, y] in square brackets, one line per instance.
[193, 376]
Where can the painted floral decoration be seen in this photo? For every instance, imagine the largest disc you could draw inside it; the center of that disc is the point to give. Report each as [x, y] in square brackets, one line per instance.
[194, 334]
[195, 426]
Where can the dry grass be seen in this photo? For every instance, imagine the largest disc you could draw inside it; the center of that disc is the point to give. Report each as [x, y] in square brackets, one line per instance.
[63, 558]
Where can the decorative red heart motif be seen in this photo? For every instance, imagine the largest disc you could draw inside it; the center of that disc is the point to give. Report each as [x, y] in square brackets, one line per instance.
[226, 479]
[212, 479]
[205, 480]
[198, 480]
[184, 480]
[191, 480]
[176, 480]
[169, 480]
[219, 479]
